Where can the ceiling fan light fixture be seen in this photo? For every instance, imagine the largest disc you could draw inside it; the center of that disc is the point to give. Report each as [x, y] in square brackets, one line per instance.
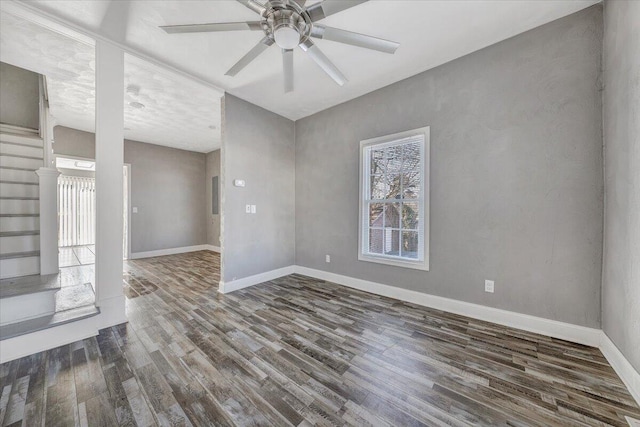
[286, 37]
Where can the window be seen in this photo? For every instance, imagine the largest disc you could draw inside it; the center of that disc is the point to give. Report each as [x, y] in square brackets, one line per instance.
[394, 199]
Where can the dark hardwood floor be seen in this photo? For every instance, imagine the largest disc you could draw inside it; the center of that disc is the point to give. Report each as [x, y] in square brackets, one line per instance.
[299, 351]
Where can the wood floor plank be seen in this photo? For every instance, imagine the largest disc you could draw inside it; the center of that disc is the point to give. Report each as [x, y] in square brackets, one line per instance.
[300, 351]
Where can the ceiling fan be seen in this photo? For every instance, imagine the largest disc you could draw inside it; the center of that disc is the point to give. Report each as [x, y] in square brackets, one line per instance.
[288, 23]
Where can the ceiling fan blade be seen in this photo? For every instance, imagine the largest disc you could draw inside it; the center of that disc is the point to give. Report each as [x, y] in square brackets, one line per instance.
[354, 39]
[253, 5]
[329, 7]
[287, 65]
[250, 56]
[213, 27]
[320, 58]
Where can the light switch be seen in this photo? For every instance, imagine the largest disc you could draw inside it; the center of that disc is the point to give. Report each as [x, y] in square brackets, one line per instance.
[238, 182]
[253, 209]
[135, 209]
[247, 209]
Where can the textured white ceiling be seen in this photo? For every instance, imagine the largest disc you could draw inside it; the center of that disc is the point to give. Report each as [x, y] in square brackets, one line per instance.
[178, 112]
[430, 33]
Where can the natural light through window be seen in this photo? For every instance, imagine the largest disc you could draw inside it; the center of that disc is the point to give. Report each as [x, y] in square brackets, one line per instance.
[394, 217]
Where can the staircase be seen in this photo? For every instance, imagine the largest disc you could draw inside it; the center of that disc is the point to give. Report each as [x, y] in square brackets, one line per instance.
[24, 293]
[20, 157]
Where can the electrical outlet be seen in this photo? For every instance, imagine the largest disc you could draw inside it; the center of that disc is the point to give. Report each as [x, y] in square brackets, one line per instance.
[327, 258]
[135, 209]
[247, 209]
[253, 209]
[488, 286]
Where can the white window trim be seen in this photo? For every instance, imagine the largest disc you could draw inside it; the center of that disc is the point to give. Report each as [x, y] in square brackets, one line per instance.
[362, 216]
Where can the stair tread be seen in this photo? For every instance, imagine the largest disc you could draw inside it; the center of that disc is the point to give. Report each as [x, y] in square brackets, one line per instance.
[29, 285]
[19, 233]
[21, 144]
[19, 198]
[20, 156]
[12, 255]
[45, 322]
[18, 182]
[18, 169]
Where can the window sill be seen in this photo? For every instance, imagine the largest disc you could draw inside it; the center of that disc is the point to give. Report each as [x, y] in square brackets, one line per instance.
[417, 265]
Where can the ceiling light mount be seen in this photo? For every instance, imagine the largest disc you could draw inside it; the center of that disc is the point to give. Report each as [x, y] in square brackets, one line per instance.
[137, 105]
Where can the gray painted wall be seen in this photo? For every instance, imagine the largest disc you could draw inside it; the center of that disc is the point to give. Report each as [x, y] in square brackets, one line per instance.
[167, 187]
[19, 97]
[257, 146]
[621, 273]
[72, 142]
[213, 221]
[516, 174]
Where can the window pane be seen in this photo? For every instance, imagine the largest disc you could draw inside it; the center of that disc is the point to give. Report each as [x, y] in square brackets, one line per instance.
[375, 215]
[393, 186]
[391, 242]
[379, 187]
[377, 161]
[392, 215]
[411, 156]
[410, 244]
[410, 215]
[411, 185]
[376, 241]
[394, 160]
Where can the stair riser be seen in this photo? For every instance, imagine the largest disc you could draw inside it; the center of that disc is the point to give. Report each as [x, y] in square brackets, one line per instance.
[19, 207]
[16, 267]
[21, 150]
[28, 306]
[18, 176]
[22, 140]
[19, 223]
[19, 190]
[20, 162]
[13, 244]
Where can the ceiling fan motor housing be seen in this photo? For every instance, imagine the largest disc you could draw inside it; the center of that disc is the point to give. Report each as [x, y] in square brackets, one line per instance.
[286, 23]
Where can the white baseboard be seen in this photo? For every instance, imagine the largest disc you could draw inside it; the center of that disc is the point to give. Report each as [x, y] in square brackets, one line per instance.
[552, 328]
[627, 373]
[245, 282]
[214, 248]
[170, 251]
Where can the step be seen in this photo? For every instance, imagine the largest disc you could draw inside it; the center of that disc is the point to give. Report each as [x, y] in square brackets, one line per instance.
[23, 243]
[21, 149]
[46, 322]
[19, 233]
[17, 266]
[11, 189]
[17, 206]
[29, 284]
[28, 297]
[19, 223]
[20, 135]
[18, 175]
[20, 162]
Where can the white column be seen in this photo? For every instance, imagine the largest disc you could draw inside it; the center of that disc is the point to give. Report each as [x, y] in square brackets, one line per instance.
[109, 163]
[48, 180]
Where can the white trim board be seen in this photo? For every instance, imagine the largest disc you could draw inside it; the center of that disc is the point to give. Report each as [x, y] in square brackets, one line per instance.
[245, 282]
[214, 248]
[627, 373]
[172, 251]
